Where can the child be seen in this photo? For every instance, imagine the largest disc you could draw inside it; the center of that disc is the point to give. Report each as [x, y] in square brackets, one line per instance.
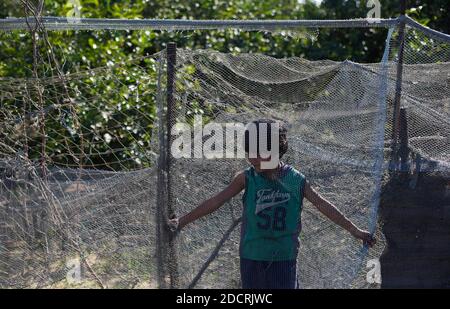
[273, 201]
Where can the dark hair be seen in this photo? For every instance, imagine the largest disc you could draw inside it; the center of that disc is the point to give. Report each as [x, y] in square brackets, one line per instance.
[283, 143]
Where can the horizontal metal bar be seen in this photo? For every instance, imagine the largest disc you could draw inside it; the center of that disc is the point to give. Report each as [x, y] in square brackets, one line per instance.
[66, 23]
[436, 34]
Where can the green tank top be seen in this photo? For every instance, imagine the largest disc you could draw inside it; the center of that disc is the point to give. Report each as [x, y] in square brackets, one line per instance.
[271, 220]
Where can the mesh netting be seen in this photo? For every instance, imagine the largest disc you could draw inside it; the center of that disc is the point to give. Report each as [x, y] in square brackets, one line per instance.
[425, 94]
[74, 188]
[79, 192]
[333, 114]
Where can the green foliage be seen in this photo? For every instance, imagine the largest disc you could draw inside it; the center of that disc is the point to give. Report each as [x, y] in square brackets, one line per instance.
[78, 51]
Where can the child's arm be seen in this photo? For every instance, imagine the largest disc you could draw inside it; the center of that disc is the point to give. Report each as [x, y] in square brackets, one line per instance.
[212, 204]
[331, 212]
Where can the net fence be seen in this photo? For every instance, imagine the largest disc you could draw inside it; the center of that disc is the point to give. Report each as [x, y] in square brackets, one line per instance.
[79, 192]
[332, 111]
[426, 95]
[87, 181]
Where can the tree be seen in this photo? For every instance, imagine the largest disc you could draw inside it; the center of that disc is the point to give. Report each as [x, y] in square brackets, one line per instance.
[78, 51]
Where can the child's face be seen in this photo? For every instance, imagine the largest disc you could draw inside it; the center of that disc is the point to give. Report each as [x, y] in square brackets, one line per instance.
[256, 162]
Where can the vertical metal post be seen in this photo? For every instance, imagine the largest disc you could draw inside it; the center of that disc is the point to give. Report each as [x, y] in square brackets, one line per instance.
[165, 247]
[161, 196]
[171, 75]
[398, 87]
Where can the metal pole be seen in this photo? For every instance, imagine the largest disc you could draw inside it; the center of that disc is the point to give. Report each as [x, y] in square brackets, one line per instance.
[398, 87]
[161, 196]
[73, 23]
[171, 75]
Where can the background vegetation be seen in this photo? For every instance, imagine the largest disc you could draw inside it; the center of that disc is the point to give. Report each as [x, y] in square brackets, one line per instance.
[91, 49]
[78, 51]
